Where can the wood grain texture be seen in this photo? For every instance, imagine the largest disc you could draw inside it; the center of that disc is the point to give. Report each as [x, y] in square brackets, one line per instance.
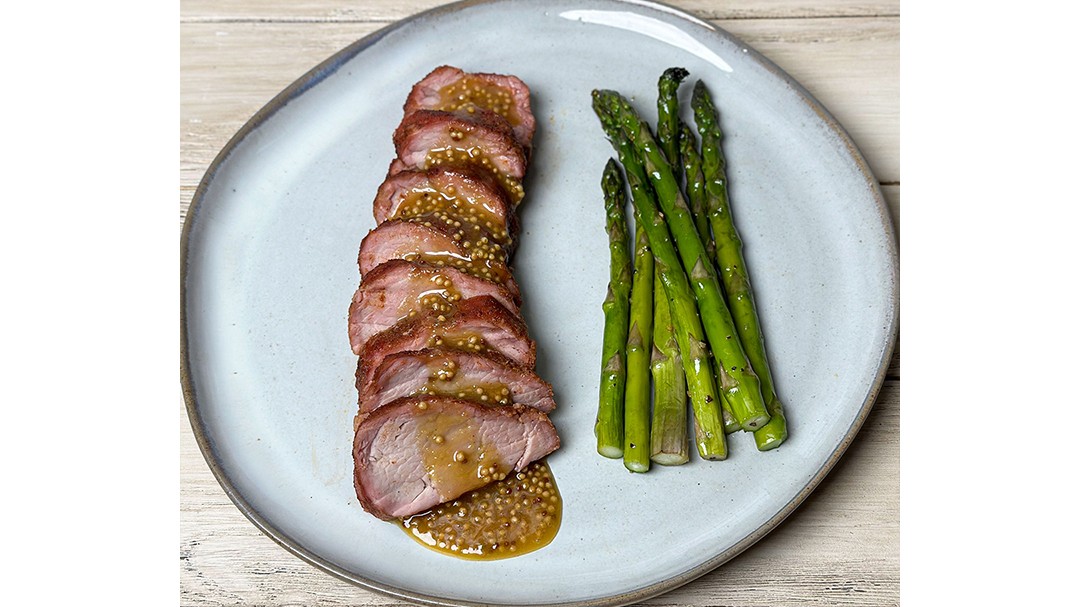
[382, 11]
[840, 548]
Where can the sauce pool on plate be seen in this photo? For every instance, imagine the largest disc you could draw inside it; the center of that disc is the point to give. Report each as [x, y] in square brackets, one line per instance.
[516, 515]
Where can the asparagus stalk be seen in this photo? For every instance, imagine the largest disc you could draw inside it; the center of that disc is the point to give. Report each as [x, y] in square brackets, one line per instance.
[636, 434]
[669, 445]
[733, 271]
[701, 385]
[609, 415]
[739, 383]
[668, 125]
[695, 195]
[695, 185]
[679, 146]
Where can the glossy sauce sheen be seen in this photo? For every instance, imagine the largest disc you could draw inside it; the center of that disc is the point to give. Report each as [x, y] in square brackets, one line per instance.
[476, 231]
[470, 218]
[508, 517]
[455, 459]
[468, 342]
[470, 91]
[441, 298]
[485, 394]
[486, 270]
[474, 157]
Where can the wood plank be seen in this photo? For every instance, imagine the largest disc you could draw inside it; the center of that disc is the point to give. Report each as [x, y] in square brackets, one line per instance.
[349, 10]
[852, 66]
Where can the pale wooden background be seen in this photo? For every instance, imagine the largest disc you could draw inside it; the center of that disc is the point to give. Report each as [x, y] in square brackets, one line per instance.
[842, 547]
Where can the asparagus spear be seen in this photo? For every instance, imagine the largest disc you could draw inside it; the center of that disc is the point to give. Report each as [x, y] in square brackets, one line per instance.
[679, 146]
[669, 387]
[695, 185]
[740, 384]
[636, 435]
[733, 272]
[701, 385]
[695, 195]
[668, 125]
[669, 445]
[609, 415]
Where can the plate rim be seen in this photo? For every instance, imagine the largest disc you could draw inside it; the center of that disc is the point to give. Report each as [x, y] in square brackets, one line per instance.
[328, 67]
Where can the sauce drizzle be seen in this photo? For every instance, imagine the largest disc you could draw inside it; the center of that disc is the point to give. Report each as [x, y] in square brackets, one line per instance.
[516, 515]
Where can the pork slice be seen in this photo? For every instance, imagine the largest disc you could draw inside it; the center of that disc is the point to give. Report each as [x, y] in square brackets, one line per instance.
[479, 324]
[462, 192]
[436, 245]
[486, 377]
[420, 451]
[450, 88]
[397, 289]
[482, 140]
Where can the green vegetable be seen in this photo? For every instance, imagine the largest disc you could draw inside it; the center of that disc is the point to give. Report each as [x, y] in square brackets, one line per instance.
[695, 194]
[669, 444]
[668, 125]
[609, 415]
[738, 381]
[733, 270]
[689, 333]
[638, 350]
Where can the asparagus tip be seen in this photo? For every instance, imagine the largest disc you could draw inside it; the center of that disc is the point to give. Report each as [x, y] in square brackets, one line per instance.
[676, 73]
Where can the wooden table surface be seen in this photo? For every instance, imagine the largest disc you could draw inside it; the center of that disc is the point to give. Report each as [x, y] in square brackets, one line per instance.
[842, 547]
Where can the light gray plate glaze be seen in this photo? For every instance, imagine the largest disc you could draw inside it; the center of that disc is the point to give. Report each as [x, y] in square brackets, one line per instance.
[269, 266]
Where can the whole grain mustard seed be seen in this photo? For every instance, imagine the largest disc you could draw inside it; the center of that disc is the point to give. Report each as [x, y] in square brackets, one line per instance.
[481, 236]
[472, 92]
[475, 157]
[502, 519]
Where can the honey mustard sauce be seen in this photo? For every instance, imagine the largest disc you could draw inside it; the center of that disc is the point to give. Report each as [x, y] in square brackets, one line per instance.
[480, 238]
[472, 91]
[486, 269]
[464, 340]
[443, 380]
[456, 156]
[439, 296]
[469, 219]
[515, 514]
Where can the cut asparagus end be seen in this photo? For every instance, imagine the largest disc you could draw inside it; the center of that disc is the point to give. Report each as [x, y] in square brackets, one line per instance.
[610, 451]
[671, 458]
[752, 424]
[636, 458]
[772, 434]
[710, 445]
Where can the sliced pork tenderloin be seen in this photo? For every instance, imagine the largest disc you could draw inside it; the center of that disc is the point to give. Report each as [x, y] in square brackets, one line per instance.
[398, 289]
[488, 378]
[450, 88]
[479, 324]
[469, 195]
[420, 451]
[436, 246]
[482, 140]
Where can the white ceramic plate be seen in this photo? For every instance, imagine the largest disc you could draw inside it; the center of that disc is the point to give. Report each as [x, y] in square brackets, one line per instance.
[269, 254]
